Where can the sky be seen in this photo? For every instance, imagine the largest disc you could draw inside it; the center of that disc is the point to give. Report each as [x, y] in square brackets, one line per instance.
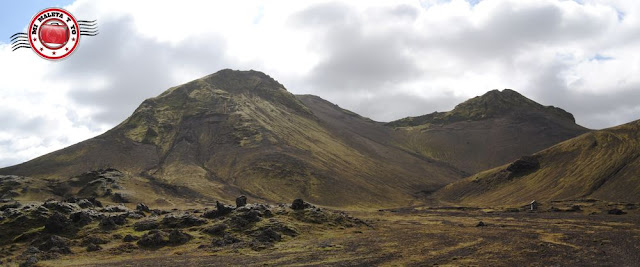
[382, 59]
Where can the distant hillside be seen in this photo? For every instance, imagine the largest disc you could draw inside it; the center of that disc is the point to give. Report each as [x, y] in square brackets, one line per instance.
[602, 165]
[487, 131]
[242, 132]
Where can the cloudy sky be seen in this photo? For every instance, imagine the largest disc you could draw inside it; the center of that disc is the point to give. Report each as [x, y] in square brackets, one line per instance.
[383, 59]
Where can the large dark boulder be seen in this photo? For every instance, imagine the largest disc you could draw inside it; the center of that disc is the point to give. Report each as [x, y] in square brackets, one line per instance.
[183, 220]
[299, 204]
[241, 201]
[54, 243]
[154, 239]
[218, 229]
[145, 225]
[616, 212]
[142, 207]
[56, 223]
[81, 218]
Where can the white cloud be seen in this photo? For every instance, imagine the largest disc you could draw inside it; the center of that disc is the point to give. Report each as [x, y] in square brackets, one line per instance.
[383, 59]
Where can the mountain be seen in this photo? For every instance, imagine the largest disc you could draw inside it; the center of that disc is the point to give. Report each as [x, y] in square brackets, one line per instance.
[242, 132]
[487, 131]
[601, 165]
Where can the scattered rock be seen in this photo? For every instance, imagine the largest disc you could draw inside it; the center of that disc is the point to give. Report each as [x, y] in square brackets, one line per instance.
[93, 247]
[221, 210]
[227, 239]
[481, 224]
[56, 223]
[118, 208]
[81, 218]
[84, 203]
[183, 220]
[93, 240]
[267, 235]
[56, 244]
[153, 239]
[298, 204]
[616, 211]
[218, 229]
[145, 225]
[13, 205]
[177, 237]
[129, 238]
[241, 201]
[31, 260]
[111, 222]
[61, 206]
[142, 207]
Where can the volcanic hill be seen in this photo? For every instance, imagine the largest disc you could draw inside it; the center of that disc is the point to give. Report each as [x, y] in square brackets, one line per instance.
[487, 131]
[242, 132]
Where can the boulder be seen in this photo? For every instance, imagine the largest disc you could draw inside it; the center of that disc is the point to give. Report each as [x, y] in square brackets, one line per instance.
[129, 238]
[298, 204]
[241, 201]
[56, 223]
[61, 206]
[145, 225]
[267, 235]
[218, 229]
[84, 203]
[142, 207]
[227, 239]
[177, 237]
[81, 218]
[13, 205]
[183, 220]
[154, 238]
[54, 243]
[93, 247]
[616, 212]
[481, 224]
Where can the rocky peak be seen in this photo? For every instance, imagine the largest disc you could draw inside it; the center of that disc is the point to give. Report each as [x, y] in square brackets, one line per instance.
[492, 104]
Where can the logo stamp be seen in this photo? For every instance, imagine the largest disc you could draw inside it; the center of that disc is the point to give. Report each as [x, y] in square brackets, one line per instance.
[54, 34]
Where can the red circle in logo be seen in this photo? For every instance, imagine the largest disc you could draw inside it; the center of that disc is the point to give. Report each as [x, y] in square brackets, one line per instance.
[54, 33]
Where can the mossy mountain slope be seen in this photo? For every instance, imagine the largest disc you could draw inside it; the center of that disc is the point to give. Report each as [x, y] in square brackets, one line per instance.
[487, 131]
[241, 132]
[602, 165]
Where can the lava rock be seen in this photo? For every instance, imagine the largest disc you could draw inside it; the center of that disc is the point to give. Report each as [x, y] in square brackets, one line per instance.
[616, 212]
[154, 239]
[481, 224]
[129, 238]
[55, 243]
[84, 203]
[217, 229]
[81, 218]
[145, 225]
[267, 235]
[142, 207]
[177, 237]
[119, 208]
[223, 209]
[61, 206]
[93, 247]
[227, 239]
[111, 222]
[13, 205]
[184, 220]
[298, 204]
[241, 201]
[56, 223]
